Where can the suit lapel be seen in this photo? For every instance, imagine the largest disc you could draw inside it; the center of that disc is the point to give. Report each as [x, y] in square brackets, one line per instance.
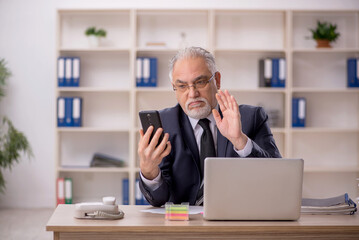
[188, 136]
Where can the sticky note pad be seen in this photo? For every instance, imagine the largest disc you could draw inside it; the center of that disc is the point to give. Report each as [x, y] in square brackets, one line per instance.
[177, 211]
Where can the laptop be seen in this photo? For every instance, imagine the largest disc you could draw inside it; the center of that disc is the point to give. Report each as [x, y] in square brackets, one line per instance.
[252, 188]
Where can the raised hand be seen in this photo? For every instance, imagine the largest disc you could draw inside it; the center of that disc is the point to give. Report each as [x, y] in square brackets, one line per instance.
[230, 125]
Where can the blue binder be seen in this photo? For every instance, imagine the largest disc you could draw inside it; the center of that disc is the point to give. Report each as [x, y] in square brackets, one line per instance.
[77, 111]
[61, 71]
[275, 81]
[125, 192]
[68, 72]
[75, 76]
[138, 194]
[298, 112]
[61, 112]
[68, 112]
[153, 72]
[281, 72]
[352, 72]
[139, 72]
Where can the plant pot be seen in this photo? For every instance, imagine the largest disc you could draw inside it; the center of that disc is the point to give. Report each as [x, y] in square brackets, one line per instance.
[323, 43]
[94, 41]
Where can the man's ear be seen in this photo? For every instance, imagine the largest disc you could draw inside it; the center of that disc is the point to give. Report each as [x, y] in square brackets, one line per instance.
[218, 79]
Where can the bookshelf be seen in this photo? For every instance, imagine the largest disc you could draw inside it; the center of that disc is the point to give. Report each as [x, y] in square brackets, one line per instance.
[238, 39]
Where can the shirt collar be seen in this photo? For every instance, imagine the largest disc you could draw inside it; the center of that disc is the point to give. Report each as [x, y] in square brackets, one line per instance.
[210, 117]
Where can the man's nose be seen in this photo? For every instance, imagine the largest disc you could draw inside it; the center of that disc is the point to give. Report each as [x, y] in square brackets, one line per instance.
[193, 92]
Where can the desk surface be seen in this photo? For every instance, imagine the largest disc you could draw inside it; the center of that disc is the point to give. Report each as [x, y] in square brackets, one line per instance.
[143, 224]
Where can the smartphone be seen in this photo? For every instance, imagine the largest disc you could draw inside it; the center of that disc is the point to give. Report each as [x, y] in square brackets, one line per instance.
[151, 118]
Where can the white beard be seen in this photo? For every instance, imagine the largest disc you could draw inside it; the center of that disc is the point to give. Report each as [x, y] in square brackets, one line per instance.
[198, 113]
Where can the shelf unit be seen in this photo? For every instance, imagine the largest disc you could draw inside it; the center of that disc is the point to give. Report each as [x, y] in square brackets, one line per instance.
[238, 39]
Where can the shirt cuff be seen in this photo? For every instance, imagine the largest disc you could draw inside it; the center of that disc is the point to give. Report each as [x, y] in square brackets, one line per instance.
[152, 184]
[246, 150]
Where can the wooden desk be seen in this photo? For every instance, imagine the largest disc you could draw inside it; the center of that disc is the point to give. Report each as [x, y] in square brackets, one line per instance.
[140, 225]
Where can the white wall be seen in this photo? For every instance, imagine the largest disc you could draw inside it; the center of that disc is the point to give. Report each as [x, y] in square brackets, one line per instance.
[27, 42]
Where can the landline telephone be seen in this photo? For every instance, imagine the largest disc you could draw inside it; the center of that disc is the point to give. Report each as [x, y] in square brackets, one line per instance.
[107, 209]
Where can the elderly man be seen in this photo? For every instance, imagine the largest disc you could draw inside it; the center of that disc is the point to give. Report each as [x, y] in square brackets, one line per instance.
[206, 122]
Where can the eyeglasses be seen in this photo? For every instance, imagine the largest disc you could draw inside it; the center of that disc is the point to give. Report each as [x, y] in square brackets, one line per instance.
[199, 84]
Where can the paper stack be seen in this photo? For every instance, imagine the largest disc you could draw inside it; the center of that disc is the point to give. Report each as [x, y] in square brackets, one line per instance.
[336, 205]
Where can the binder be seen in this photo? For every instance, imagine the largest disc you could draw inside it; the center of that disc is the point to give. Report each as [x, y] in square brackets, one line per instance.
[68, 72]
[68, 112]
[68, 191]
[265, 72]
[139, 75]
[275, 73]
[75, 80]
[61, 72]
[77, 112]
[125, 192]
[352, 72]
[298, 112]
[153, 72]
[281, 72]
[60, 194]
[61, 112]
[138, 194]
[146, 71]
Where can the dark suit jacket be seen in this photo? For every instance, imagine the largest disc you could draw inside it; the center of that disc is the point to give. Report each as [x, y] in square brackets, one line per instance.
[181, 169]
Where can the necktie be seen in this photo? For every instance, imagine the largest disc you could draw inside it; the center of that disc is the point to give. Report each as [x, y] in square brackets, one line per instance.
[207, 150]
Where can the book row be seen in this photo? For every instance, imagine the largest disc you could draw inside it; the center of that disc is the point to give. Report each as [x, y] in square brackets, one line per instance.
[69, 112]
[272, 72]
[146, 72]
[64, 191]
[139, 198]
[68, 71]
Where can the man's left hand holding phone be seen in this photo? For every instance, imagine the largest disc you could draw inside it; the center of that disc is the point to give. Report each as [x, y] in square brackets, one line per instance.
[153, 145]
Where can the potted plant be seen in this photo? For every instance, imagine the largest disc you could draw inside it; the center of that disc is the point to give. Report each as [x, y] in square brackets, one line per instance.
[94, 35]
[12, 142]
[324, 34]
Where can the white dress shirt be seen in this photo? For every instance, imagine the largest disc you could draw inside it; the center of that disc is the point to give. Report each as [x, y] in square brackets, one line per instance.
[198, 130]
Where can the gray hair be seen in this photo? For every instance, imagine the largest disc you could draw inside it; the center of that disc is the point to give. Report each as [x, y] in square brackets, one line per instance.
[193, 52]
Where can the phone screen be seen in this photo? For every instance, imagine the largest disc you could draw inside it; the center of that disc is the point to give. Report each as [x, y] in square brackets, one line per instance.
[151, 118]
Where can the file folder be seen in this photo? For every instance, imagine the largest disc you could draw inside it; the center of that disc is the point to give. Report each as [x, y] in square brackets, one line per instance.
[75, 72]
[125, 192]
[60, 187]
[61, 112]
[139, 75]
[61, 71]
[298, 112]
[68, 190]
[68, 112]
[77, 111]
[68, 72]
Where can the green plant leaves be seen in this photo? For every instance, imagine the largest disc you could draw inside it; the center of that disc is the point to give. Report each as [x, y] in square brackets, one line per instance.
[98, 33]
[325, 31]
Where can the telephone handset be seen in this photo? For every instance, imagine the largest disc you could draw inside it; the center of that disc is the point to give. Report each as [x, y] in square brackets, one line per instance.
[107, 209]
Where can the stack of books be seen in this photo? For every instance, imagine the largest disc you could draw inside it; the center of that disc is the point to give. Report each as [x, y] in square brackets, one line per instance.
[336, 205]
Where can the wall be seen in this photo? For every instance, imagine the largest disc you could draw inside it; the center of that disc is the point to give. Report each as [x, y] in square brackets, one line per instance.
[27, 42]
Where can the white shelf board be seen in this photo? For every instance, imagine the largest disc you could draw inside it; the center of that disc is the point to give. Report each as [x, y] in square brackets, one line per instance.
[91, 129]
[331, 169]
[325, 50]
[325, 90]
[156, 50]
[154, 89]
[248, 50]
[324, 130]
[92, 89]
[257, 90]
[94, 49]
[94, 169]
